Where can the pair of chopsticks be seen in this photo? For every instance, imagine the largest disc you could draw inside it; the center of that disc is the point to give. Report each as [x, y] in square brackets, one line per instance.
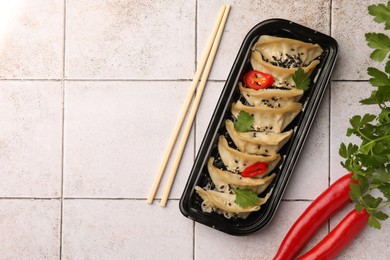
[201, 74]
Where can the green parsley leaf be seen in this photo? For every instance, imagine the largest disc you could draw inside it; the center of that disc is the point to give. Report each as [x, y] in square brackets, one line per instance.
[383, 94]
[385, 189]
[381, 215]
[380, 43]
[381, 13]
[370, 201]
[343, 150]
[387, 67]
[373, 222]
[246, 198]
[355, 192]
[372, 100]
[384, 116]
[301, 80]
[383, 176]
[244, 121]
[359, 207]
[379, 78]
[357, 121]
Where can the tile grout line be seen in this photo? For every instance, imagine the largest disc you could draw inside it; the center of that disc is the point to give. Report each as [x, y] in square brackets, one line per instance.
[329, 137]
[195, 123]
[330, 16]
[29, 198]
[123, 198]
[330, 106]
[63, 133]
[330, 95]
[113, 80]
[195, 63]
[146, 80]
[80, 198]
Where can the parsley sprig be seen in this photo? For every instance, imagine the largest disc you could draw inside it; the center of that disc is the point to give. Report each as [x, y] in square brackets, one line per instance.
[244, 121]
[246, 198]
[370, 161]
[301, 80]
[381, 13]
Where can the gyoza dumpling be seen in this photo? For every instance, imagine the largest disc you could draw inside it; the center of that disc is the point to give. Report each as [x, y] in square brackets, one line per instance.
[224, 181]
[270, 97]
[236, 161]
[269, 119]
[286, 52]
[266, 143]
[281, 57]
[226, 202]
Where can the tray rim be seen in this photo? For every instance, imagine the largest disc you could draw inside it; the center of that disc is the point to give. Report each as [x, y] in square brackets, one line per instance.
[221, 107]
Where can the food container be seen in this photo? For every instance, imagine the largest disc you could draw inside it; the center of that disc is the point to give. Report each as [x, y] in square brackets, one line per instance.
[190, 203]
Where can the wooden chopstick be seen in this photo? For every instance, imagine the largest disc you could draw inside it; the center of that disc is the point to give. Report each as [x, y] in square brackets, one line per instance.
[186, 105]
[194, 107]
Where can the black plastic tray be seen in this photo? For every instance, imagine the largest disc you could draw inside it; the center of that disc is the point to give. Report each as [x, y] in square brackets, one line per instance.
[190, 201]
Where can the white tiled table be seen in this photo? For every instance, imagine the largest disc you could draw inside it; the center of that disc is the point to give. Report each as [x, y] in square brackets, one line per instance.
[89, 95]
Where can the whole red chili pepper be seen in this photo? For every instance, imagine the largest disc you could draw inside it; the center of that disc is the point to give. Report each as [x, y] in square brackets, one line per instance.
[317, 213]
[339, 237]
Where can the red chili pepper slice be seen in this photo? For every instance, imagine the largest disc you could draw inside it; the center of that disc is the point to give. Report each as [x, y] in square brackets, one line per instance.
[255, 169]
[317, 213]
[258, 80]
[343, 234]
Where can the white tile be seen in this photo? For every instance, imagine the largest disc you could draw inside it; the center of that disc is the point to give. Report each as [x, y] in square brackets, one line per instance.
[30, 229]
[206, 109]
[30, 138]
[260, 245]
[125, 229]
[246, 14]
[116, 134]
[130, 40]
[345, 97]
[32, 36]
[350, 22]
[312, 169]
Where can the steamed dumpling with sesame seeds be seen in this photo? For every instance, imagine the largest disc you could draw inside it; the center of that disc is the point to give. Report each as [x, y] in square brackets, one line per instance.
[269, 119]
[252, 142]
[225, 203]
[270, 97]
[236, 161]
[225, 181]
[281, 57]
